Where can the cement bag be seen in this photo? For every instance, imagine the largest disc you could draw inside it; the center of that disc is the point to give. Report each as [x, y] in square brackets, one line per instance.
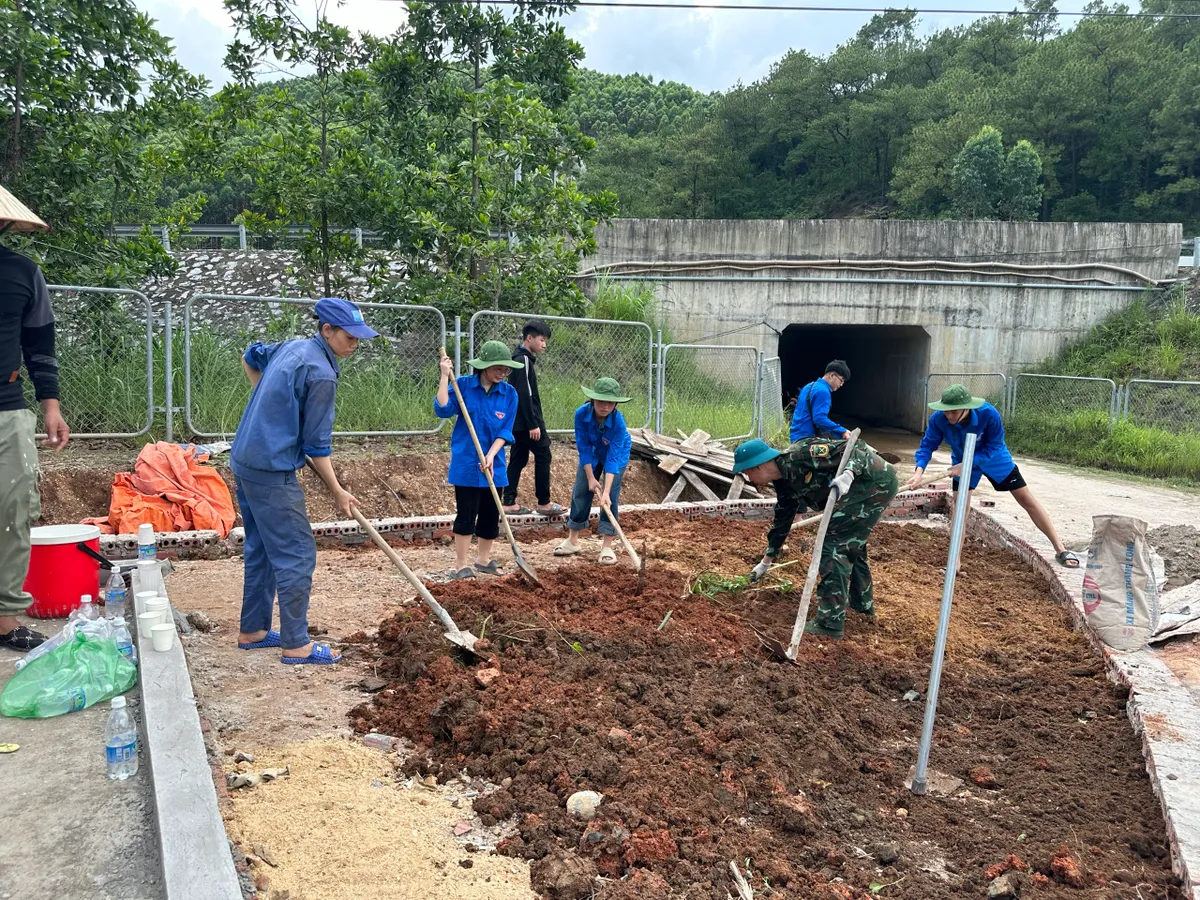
[1120, 597]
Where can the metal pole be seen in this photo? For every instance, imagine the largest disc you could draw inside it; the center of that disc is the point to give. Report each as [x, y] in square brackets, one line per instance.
[166, 239]
[660, 391]
[358, 236]
[169, 375]
[457, 345]
[961, 502]
[241, 236]
[1196, 253]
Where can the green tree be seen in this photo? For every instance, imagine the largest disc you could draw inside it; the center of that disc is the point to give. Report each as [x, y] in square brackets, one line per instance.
[1021, 197]
[978, 176]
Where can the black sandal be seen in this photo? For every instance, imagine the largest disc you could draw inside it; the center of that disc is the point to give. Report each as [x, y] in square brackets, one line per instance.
[22, 638]
[1067, 559]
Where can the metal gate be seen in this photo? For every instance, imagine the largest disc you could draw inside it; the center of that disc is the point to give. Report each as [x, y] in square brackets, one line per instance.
[708, 386]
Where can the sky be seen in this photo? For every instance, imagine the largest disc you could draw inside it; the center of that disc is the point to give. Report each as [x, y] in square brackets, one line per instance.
[710, 50]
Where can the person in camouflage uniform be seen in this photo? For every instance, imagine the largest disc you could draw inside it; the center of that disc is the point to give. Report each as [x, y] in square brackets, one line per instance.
[803, 475]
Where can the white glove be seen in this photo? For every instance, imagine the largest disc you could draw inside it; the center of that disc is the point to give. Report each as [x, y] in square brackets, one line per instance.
[759, 571]
[841, 484]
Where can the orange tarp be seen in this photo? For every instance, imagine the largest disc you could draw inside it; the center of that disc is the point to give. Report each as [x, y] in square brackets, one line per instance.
[171, 491]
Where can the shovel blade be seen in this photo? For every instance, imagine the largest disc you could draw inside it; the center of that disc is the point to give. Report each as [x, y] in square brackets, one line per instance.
[526, 568]
[463, 639]
[777, 649]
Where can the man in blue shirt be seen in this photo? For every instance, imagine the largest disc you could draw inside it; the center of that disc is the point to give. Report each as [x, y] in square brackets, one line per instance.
[492, 405]
[957, 414]
[811, 418]
[603, 443]
[289, 417]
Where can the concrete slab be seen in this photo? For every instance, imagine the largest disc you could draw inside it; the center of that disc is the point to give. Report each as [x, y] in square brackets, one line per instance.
[68, 830]
[194, 849]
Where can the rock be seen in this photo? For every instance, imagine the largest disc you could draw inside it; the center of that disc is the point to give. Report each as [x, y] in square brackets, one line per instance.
[887, 853]
[201, 622]
[466, 863]
[564, 875]
[583, 804]
[383, 742]
[430, 781]
[618, 738]
[910, 696]
[240, 757]
[484, 677]
[983, 777]
[372, 685]
[1066, 869]
[461, 828]
[263, 852]
[1006, 887]
[902, 812]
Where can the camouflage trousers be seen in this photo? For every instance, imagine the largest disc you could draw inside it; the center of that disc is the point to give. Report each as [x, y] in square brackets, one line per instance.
[845, 572]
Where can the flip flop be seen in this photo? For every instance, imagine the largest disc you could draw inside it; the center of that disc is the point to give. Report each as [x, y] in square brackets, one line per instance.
[566, 548]
[492, 568]
[607, 557]
[271, 640]
[1067, 559]
[519, 511]
[22, 638]
[321, 656]
[465, 572]
[554, 510]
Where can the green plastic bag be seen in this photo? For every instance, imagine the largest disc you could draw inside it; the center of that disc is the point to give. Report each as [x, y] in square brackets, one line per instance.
[79, 674]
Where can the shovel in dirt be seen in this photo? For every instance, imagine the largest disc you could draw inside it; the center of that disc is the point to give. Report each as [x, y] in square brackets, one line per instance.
[526, 568]
[638, 562]
[459, 638]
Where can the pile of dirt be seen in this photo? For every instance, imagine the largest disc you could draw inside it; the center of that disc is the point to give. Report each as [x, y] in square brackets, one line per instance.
[1179, 546]
[706, 751]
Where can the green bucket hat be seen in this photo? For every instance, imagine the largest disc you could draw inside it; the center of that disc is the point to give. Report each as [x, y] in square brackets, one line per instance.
[752, 453]
[494, 353]
[957, 397]
[606, 389]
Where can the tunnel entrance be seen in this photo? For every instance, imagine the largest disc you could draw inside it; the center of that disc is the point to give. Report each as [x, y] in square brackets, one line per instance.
[888, 365]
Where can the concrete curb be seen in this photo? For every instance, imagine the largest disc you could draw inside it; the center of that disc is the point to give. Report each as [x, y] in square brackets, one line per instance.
[1160, 708]
[193, 846]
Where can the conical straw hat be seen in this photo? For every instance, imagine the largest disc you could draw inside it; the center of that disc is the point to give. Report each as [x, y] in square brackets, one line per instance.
[16, 216]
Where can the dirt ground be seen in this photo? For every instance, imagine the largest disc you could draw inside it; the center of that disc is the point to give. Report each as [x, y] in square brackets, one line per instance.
[406, 479]
[1179, 546]
[707, 751]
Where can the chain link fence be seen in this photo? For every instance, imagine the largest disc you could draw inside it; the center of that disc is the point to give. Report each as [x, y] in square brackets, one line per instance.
[104, 342]
[710, 387]
[772, 420]
[1168, 405]
[386, 388]
[579, 351]
[1049, 411]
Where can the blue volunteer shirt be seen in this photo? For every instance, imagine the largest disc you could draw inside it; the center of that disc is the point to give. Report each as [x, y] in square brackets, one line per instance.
[819, 423]
[492, 414]
[602, 443]
[290, 413]
[991, 453]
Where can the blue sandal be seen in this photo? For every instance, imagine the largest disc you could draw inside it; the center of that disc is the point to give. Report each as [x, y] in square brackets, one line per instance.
[271, 640]
[321, 656]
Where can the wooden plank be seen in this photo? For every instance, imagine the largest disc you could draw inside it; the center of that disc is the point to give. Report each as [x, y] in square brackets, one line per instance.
[696, 443]
[676, 490]
[704, 489]
[671, 464]
[682, 434]
[735, 489]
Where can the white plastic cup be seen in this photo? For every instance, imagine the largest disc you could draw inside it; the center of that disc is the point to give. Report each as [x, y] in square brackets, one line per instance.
[160, 605]
[141, 598]
[149, 576]
[146, 621]
[163, 636]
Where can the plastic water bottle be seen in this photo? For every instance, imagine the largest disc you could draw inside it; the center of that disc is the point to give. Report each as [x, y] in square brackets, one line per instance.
[67, 634]
[120, 633]
[147, 549]
[86, 612]
[114, 597]
[120, 742]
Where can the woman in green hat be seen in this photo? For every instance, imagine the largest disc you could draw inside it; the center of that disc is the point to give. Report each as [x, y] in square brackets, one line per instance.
[603, 443]
[492, 405]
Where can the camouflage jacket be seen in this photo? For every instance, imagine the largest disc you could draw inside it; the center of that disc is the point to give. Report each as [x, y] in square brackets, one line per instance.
[808, 466]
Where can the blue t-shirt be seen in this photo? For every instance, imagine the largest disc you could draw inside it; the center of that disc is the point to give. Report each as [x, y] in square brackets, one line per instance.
[492, 414]
[991, 453]
[290, 413]
[818, 424]
[602, 443]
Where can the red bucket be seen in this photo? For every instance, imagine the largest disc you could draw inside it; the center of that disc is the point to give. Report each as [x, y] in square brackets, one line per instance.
[59, 572]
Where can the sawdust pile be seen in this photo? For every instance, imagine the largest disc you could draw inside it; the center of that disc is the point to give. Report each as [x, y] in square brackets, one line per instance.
[333, 834]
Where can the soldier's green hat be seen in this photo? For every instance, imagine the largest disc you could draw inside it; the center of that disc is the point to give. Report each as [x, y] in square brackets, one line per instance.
[606, 389]
[752, 453]
[494, 353]
[957, 397]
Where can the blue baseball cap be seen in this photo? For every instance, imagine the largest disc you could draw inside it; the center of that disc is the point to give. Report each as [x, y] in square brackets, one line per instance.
[345, 315]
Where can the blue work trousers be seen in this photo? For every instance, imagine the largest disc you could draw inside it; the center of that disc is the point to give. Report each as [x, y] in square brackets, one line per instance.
[280, 556]
[581, 501]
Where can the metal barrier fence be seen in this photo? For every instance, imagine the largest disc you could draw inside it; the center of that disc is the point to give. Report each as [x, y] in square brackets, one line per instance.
[1052, 397]
[385, 389]
[708, 386]
[989, 385]
[579, 351]
[104, 341]
[1169, 405]
[771, 418]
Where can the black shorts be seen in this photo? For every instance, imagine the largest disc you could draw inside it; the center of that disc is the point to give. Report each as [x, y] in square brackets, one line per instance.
[476, 512]
[1012, 481]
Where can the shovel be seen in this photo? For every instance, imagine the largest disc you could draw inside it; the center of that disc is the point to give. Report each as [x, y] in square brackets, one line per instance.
[638, 562]
[925, 479]
[458, 638]
[526, 568]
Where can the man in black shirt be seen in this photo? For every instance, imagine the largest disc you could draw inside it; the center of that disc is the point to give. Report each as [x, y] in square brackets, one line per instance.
[529, 428]
[26, 331]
